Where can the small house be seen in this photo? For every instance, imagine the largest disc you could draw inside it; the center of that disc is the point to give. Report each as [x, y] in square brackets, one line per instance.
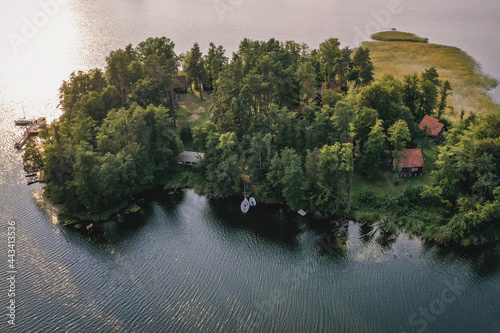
[411, 163]
[433, 127]
[190, 158]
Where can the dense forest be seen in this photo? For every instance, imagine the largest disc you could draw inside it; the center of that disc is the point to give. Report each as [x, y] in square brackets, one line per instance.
[302, 127]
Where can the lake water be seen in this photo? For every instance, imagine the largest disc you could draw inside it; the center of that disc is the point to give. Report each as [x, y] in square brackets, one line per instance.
[188, 264]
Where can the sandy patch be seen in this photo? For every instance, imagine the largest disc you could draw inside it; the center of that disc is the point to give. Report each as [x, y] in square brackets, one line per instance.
[194, 117]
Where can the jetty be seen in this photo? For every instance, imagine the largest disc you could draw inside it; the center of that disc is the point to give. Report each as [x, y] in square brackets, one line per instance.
[33, 128]
[36, 126]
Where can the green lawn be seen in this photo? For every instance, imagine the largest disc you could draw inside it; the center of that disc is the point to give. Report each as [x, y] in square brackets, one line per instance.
[384, 182]
[398, 36]
[193, 110]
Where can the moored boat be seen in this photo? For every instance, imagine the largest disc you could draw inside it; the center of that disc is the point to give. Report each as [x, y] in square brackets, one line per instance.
[19, 142]
[23, 122]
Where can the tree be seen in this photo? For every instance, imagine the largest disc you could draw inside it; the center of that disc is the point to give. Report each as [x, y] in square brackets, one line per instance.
[286, 175]
[334, 169]
[343, 113]
[195, 68]
[117, 71]
[342, 67]
[412, 94]
[399, 136]
[260, 154]
[444, 92]
[429, 84]
[306, 79]
[215, 62]
[373, 149]
[365, 120]
[328, 53]
[363, 63]
[331, 97]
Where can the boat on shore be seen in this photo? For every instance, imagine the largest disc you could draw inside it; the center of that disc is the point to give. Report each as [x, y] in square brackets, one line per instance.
[19, 141]
[23, 122]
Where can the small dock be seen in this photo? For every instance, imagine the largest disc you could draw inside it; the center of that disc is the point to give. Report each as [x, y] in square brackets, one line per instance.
[36, 126]
[32, 129]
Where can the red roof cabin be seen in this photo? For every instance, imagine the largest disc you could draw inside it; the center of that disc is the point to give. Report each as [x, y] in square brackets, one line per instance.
[412, 163]
[433, 127]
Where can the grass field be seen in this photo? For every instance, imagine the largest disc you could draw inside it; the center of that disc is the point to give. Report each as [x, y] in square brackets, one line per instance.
[470, 85]
[398, 36]
[193, 110]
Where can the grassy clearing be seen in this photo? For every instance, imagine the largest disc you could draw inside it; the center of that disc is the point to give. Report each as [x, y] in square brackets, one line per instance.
[193, 110]
[470, 85]
[398, 36]
[384, 182]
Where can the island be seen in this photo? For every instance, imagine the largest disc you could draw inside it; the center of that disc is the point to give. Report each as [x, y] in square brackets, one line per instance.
[399, 131]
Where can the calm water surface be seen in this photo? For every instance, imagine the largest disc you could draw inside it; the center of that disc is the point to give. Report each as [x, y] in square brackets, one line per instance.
[187, 264]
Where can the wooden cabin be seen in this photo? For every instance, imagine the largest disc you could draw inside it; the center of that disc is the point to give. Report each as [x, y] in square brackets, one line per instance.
[433, 127]
[411, 164]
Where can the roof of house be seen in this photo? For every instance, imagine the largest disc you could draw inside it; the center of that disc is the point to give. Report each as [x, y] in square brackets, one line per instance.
[433, 125]
[412, 158]
[331, 86]
[190, 156]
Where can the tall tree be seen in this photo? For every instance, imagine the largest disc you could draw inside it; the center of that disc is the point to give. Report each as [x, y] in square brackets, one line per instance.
[195, 68]
[399, 136]
[306, 79]
[365, 120]
[444, 92]
[363, 62]
[328, 53]
[286, 174]
[373, 149]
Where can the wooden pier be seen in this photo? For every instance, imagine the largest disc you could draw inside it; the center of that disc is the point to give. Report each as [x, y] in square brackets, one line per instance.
[32, 129]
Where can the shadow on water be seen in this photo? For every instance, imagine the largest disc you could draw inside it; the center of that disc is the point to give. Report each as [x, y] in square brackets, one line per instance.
[484, 261]
[271, 223]
[122, 230]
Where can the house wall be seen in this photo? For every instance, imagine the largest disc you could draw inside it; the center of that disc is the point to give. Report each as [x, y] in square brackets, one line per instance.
[411, 172]
[439, 138]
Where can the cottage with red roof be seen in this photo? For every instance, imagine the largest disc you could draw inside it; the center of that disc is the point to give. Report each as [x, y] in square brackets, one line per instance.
[411, 163]
[433, 127]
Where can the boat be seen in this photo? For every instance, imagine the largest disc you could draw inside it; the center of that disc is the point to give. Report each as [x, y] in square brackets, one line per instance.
[253, 202]
[19, 142]
[23, 122]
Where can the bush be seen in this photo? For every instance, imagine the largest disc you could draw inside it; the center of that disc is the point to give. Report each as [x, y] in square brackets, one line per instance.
[186, 134]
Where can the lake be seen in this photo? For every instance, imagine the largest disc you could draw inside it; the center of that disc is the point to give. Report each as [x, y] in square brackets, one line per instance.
[190, 264]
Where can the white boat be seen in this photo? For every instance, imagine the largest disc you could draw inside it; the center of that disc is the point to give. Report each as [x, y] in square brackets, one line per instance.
[245, 206]
[253, 202]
